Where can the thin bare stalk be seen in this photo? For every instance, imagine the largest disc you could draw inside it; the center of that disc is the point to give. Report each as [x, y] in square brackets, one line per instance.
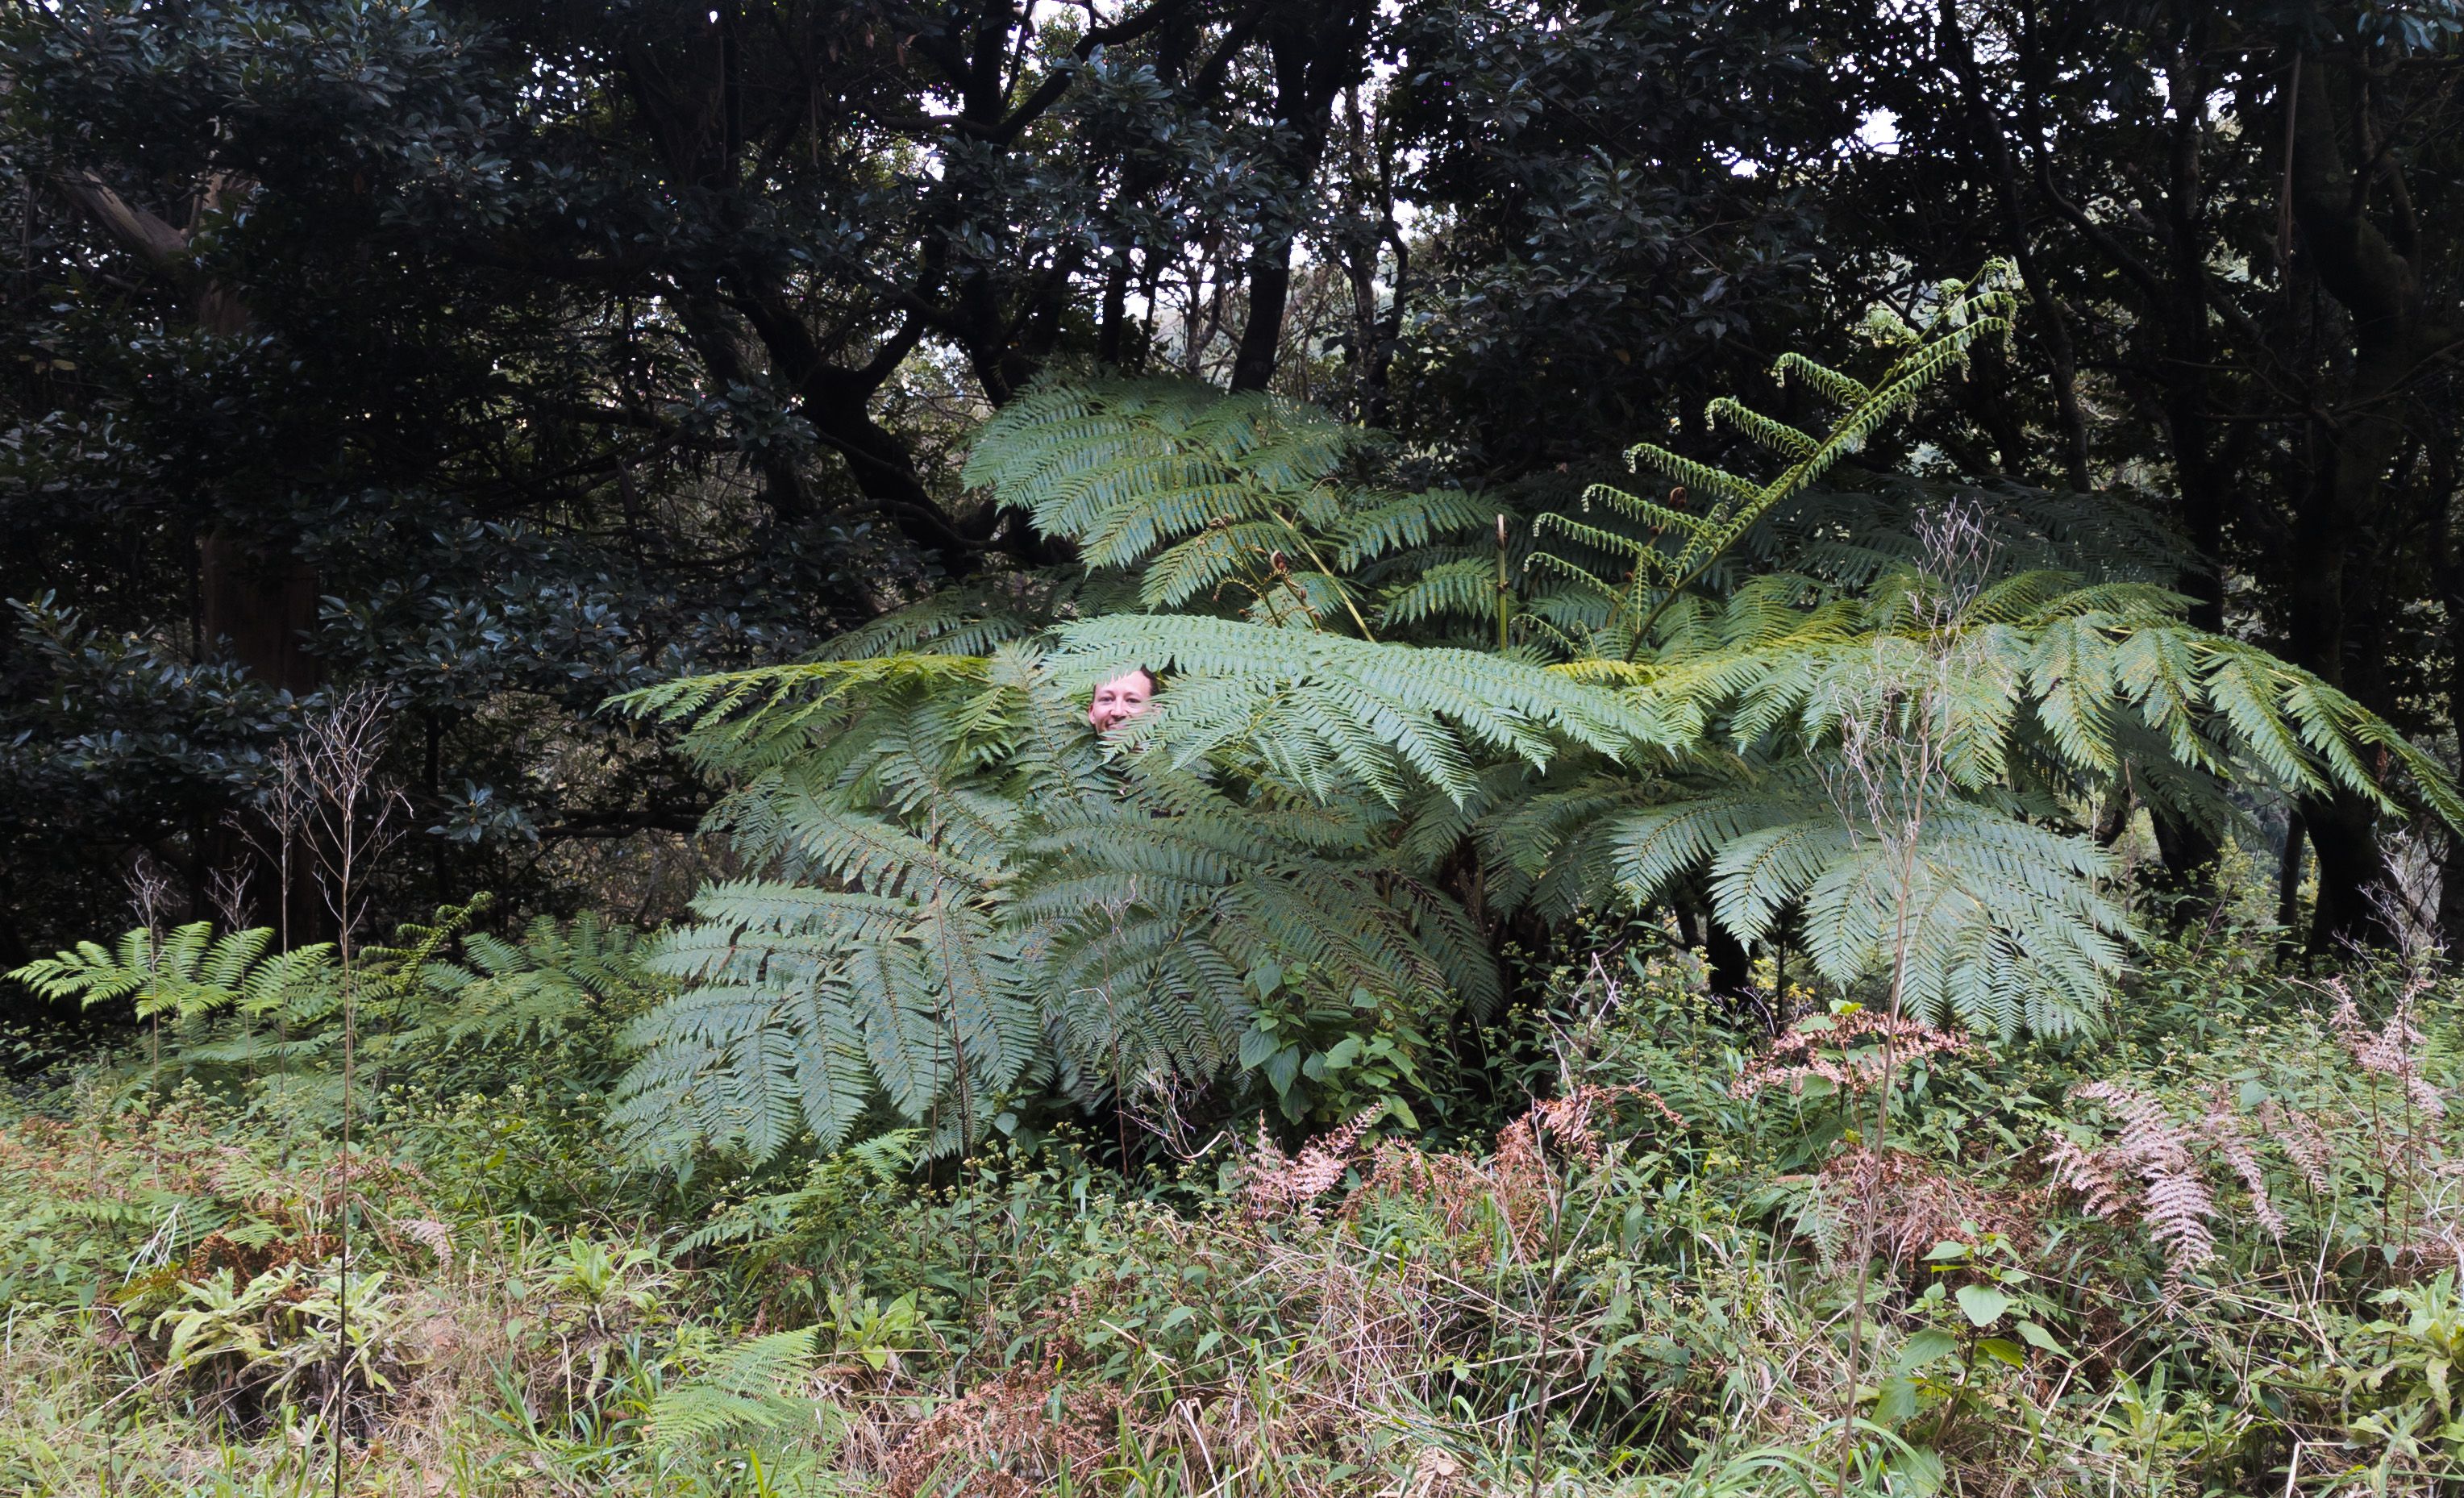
[353, 819]
[1892, 774]
[277, 834]
[149, 895]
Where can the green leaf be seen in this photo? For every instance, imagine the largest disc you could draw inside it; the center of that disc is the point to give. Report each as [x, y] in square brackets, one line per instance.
[1896, 1404]
[2038, 1336]
[1982, 1303]
[1928, 1346]
[1917, 1473]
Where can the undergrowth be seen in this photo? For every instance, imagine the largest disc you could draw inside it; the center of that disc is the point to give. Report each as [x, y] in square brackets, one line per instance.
[2213, 1249]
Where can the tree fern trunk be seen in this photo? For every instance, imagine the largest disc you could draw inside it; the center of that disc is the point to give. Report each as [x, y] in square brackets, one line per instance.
[2288, 877]
[2189, 875]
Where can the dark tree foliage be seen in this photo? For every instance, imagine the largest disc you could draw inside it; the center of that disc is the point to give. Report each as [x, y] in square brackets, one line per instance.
[1625, 200]
[519, 358]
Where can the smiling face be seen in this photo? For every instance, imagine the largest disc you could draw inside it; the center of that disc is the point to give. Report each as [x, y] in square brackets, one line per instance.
[1120, 699]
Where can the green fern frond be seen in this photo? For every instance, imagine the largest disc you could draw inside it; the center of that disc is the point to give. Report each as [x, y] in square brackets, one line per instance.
[1830, 384]
[744, 1387]
[185, 974]
[1967, 312]
[1778, 436]
[1312, 700]
[731, 715]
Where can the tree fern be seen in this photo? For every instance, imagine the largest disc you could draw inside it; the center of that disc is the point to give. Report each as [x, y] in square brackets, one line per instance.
[959, 901]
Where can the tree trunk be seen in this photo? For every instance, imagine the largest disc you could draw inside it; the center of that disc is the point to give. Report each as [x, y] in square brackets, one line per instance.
[257, 608]
[2353, 877]
[256, 602]
[1316, 54]
[2397, 333]
[1261, 336]
[1732, 966]
[2288, 876]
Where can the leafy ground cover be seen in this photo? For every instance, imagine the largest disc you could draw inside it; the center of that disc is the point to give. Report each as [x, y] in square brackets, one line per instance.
[2211, 1249]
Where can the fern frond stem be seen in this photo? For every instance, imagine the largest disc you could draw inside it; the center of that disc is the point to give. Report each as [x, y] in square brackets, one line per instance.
[1319, 562]
[1505, 591]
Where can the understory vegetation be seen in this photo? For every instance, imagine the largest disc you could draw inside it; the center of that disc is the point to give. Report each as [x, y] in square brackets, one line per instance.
[2213, 1249]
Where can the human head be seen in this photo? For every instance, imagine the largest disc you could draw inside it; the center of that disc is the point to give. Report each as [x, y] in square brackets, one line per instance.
[1123, 697]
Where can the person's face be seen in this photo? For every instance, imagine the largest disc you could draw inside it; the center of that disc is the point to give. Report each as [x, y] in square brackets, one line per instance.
[1120, 699]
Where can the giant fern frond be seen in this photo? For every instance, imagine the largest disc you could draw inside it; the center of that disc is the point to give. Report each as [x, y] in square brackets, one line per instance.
[1687, 542]
[1201, 494]
[959, 893]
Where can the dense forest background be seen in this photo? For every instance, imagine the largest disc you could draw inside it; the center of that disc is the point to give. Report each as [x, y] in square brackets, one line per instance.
[514, 357]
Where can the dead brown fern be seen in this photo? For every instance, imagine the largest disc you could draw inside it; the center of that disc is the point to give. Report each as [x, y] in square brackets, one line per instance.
[1828, 1047]
[1914, 1206]
[2394, 1049]
[2221, 1126]
[2303, 1142]
[2155, 1170]
[1012, 1435]
[1274, 1184]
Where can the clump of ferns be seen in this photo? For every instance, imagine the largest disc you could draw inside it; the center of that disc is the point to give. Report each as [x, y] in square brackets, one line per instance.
[2158, 1164]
